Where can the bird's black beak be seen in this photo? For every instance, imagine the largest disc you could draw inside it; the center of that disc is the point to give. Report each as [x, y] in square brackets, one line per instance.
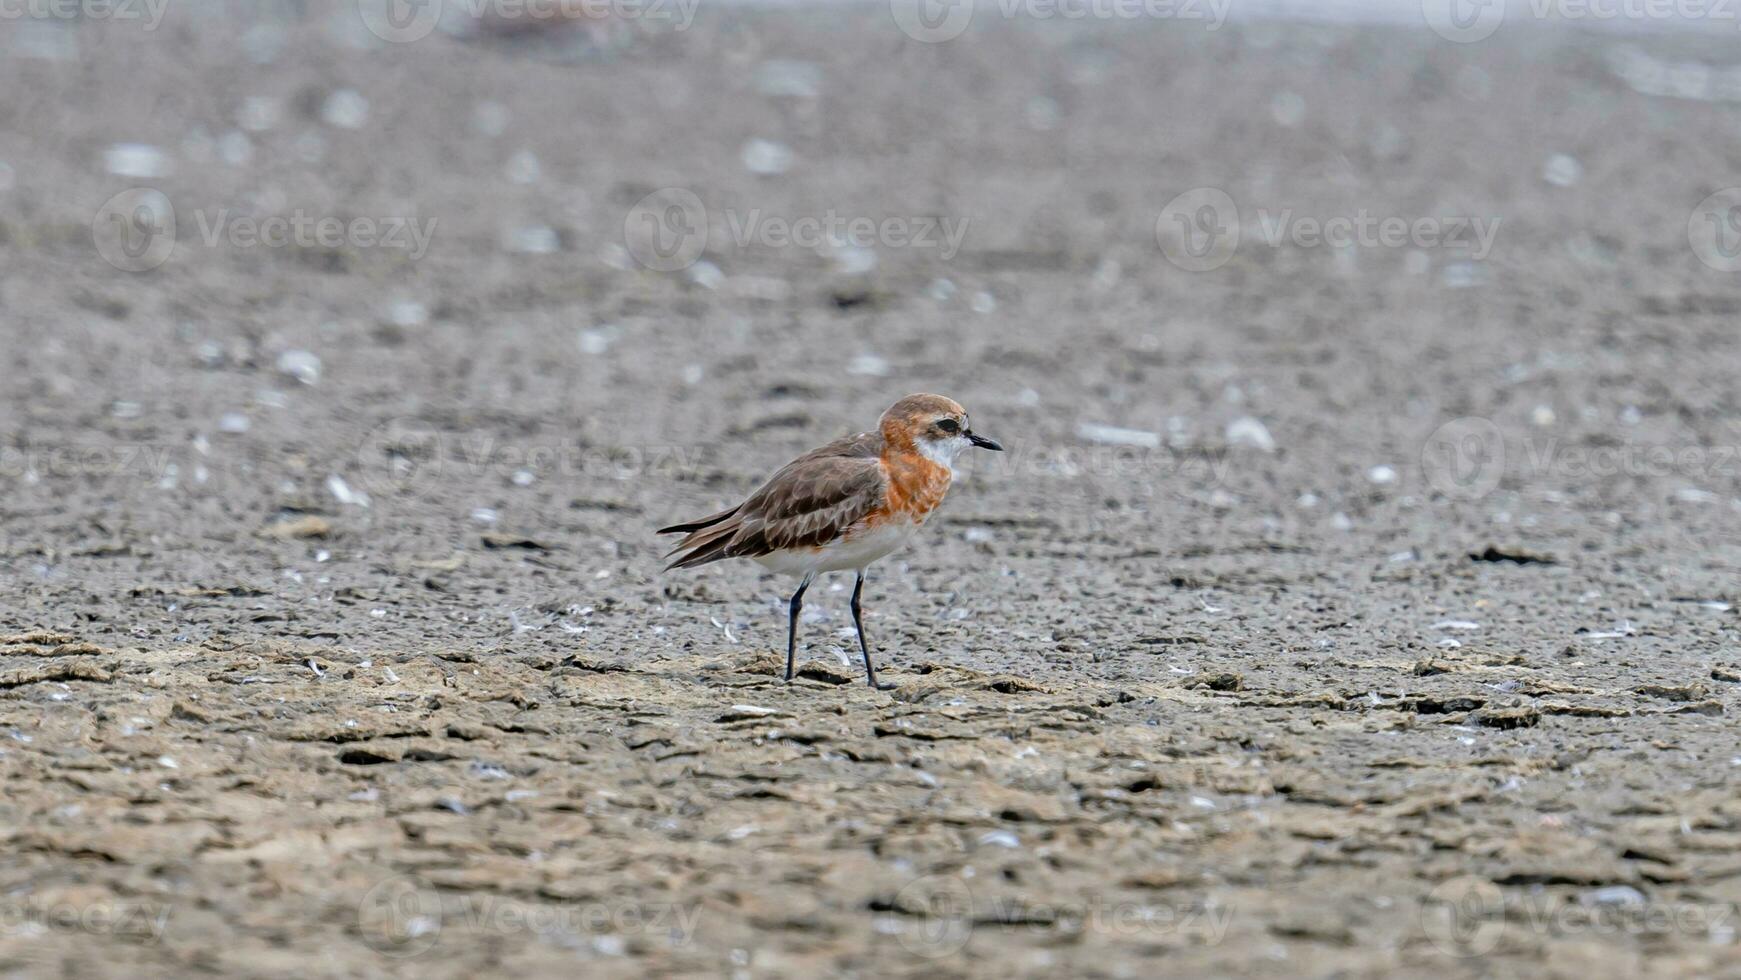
[984, 443]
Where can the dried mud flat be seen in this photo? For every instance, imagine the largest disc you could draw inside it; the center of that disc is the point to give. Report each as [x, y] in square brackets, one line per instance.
[1186, 708]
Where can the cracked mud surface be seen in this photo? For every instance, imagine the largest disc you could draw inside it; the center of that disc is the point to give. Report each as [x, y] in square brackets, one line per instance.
[1195, 708]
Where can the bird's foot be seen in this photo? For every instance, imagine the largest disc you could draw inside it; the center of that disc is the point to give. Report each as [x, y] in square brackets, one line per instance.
[877, 685]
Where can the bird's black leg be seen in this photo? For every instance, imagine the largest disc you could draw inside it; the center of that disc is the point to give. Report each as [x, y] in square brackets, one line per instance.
[792, 625]
[864, 647]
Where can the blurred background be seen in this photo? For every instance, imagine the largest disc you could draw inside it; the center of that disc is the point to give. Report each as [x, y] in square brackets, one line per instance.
[339, 334]
[433, 269]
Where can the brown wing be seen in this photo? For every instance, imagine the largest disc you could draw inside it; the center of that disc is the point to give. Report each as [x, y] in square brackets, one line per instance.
[807, 503]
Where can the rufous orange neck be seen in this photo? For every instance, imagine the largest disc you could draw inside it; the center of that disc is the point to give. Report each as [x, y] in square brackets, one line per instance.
[897, 438]
[916, 484]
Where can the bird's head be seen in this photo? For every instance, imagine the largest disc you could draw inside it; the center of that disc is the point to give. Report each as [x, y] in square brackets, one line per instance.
[933, 426]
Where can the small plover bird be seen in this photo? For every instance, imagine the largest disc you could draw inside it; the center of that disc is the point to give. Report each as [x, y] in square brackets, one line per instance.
[840, 507]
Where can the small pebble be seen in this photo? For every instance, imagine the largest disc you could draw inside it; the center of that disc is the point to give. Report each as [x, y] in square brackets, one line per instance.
[523, 168]
[1562, 170]
[407, 313]
[597, 340]
[869, 365]
[342, 492]
[236, 149]
[1613, 895]
[139, 160]
[789, 79]
[1287, 109]
[1250, 432]
[258, 113]
[1112, 435]
[766, 158]
[531, 240]
[490, 119]
[301, 365]
[706, 275]
[852, 260]
[345, 109]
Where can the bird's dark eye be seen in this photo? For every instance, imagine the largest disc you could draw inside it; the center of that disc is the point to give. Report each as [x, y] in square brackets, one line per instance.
[949, 425]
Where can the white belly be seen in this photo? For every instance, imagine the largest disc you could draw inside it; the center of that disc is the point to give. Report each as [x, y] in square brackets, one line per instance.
[853, 553]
